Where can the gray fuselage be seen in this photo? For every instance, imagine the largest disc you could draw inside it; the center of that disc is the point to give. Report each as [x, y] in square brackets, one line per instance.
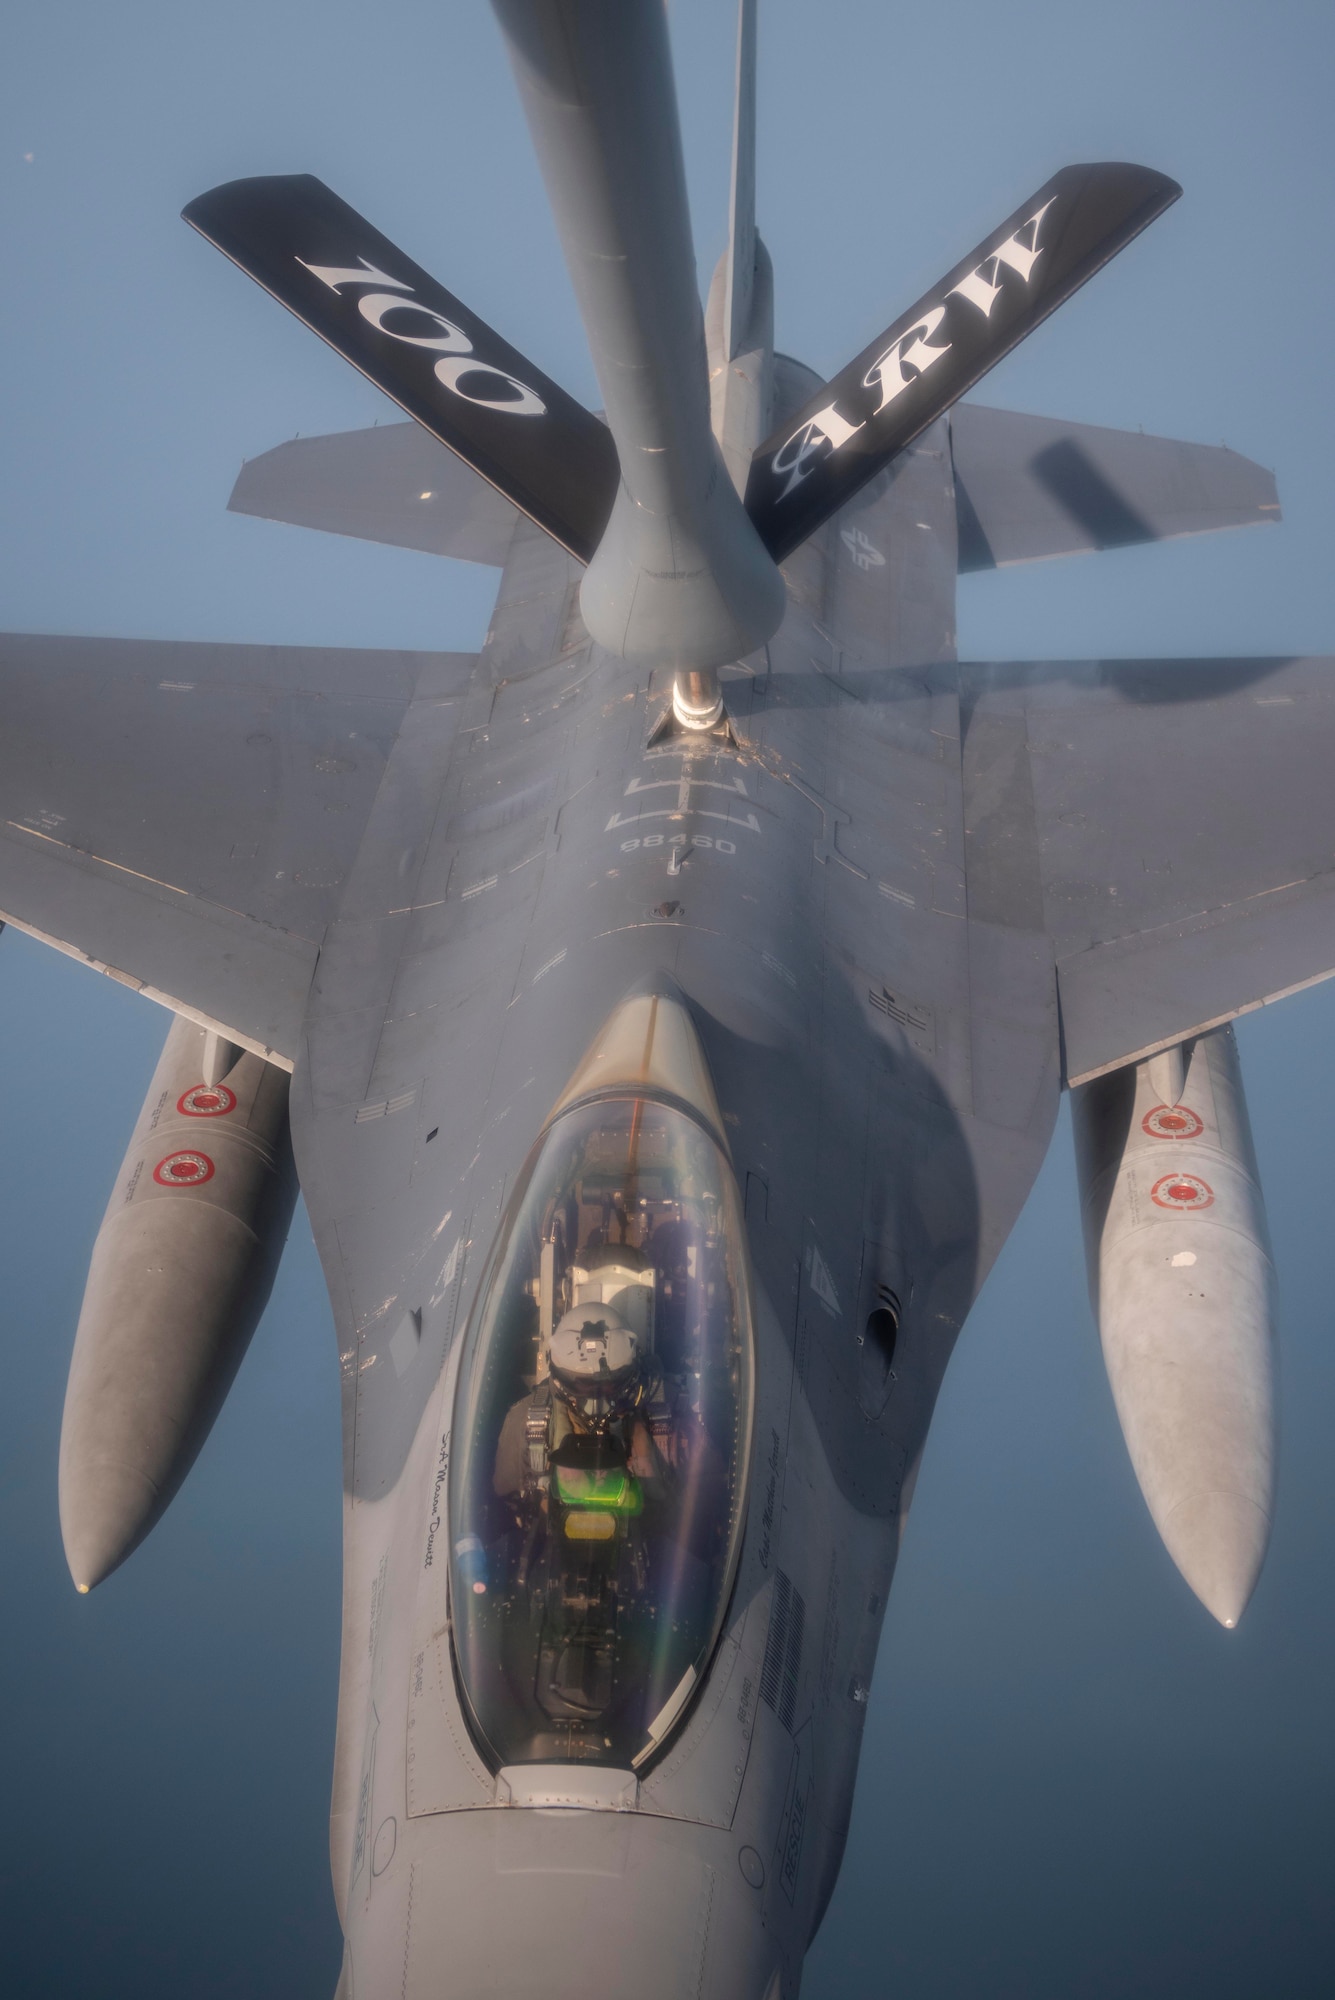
[886, 1060]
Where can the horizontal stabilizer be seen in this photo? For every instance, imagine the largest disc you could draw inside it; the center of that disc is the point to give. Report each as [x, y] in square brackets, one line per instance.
[913, 372]
[422, 346]
[1031, 487]
[394, 483]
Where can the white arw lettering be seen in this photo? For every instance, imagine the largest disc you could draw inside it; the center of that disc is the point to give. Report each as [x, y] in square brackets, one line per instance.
[979, 289]
[331, 275]
[911, 350]
[826, 429]
[450, 340]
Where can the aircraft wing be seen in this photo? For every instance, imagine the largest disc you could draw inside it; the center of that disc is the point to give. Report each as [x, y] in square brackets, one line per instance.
[183, 816]
[393, 483]
[1169, 823]
[1029, 487]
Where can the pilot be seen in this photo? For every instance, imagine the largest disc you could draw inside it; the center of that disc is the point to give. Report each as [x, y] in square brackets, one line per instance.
[602, 1382]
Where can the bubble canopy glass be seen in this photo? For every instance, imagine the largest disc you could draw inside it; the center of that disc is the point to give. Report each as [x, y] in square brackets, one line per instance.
[601, 1440]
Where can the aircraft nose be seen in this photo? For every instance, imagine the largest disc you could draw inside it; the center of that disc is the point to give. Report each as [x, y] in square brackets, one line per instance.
[520, 1904]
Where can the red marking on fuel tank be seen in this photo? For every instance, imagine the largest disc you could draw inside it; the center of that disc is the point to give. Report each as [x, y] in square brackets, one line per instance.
[1172, 1121]
[1182, 1191]
[183, 1170]
[207, 1100]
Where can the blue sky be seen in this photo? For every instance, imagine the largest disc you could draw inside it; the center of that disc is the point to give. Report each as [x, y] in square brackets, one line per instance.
[1074, 1784]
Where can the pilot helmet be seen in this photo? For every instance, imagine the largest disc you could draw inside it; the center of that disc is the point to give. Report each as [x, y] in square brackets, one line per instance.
[594, 1355]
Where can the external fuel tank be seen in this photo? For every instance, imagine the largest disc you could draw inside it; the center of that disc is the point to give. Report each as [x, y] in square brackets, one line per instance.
[1183, 1288]
[181, 1271]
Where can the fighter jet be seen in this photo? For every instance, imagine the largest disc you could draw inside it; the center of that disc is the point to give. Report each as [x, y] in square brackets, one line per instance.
[664, 1013]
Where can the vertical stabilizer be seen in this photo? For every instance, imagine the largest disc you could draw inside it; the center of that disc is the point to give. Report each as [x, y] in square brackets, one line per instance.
[739, 320]
[741, 266]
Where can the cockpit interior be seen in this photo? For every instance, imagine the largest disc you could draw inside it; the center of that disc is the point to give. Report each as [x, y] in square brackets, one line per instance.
[602, 1440]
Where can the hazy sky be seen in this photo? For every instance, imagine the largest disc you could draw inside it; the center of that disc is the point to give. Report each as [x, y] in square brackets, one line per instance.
[1075, 1786]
